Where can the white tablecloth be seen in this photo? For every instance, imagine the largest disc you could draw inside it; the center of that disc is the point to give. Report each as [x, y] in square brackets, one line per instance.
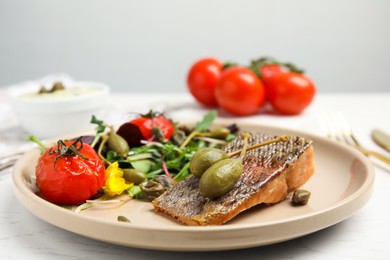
[362, 236]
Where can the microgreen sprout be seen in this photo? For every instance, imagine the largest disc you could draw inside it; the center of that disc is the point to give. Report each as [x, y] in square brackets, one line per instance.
[36, 140]
[101, 127]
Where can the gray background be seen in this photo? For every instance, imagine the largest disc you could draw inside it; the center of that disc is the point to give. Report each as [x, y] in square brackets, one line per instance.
[149, 45]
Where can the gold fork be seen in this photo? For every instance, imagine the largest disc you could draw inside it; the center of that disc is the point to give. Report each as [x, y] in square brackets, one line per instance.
[338, 128]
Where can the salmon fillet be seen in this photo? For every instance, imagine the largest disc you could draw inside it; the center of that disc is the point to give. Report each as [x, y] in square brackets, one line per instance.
[269, 174]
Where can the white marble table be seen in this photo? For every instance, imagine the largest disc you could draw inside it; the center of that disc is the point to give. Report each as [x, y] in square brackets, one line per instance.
[362, 236]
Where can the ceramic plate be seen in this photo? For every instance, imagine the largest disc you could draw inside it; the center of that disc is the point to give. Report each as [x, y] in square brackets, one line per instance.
[341, 185]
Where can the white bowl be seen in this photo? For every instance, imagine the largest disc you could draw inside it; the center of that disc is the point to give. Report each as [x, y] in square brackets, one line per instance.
[51, 115]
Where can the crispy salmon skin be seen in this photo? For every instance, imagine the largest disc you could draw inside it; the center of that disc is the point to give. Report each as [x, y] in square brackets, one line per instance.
[269, 174]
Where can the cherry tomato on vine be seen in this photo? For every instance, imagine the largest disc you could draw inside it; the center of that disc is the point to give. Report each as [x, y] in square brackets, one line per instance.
[290, 92]
[202, 80]
[145, 123]
[70, 173]
[239, 91]
[268, 73]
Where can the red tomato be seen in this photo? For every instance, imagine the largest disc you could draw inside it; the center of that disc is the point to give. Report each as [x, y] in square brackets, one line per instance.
[202, 80]
[240, 91]
[146, 123]
[290, 92]
[70, 179]
[268, 73]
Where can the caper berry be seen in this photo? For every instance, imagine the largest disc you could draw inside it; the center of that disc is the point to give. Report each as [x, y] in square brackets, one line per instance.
[219, 133]
[220, 178]
[133, 175]
[118, 144]
[204, 158]
[151, 189]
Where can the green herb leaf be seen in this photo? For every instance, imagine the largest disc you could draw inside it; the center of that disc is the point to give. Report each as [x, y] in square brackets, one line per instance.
[140, 156]
[206, 121]
[142, 165]
[134, 191]
[230, 137]
[184, 172]
[113, 156]
[100, 124]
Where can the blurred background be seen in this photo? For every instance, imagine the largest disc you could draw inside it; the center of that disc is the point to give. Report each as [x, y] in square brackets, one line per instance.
[148, 46]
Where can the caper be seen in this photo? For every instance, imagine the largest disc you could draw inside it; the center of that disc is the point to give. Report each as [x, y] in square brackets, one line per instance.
[151, 189]
[165, 181]
[118, 144]
[301, 197]
[219, 133]
[204, 158]
[133, 175]
[178, 137]
[220, 178]
[57, 86]
[43, 90]
[158, 134]
[123, 219]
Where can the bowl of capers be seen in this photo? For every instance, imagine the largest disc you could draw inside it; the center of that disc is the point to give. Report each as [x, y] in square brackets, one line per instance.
[59, 108]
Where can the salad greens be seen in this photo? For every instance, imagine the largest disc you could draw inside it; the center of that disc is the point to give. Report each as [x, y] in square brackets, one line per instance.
[162, 162]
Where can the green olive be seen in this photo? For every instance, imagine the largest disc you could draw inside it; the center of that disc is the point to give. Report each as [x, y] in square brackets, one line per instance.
[220, 178]
[151, 189]
[133, 175]
[204, 158]
[118, 144]
[219, 133]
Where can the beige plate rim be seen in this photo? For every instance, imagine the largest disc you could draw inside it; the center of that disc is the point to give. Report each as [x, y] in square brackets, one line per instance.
[211, 238]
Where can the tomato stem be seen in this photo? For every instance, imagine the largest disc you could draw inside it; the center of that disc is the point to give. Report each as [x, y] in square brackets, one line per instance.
[282, 138]
[229, 64]
[152, 114]
[100, 149]
[64, 150]
[256, 65]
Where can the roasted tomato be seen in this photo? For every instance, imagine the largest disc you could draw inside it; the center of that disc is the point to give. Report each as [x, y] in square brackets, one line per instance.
[202, 80]
[69, 173]
[239, 91]
[146, 123]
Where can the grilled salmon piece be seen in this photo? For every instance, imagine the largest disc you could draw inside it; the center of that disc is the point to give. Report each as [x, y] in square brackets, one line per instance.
[269, 174]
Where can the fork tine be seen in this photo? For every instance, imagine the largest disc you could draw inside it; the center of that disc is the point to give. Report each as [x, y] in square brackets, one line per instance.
[337, 128]
[330, 123]
[323, 120]
[348, 134]
[344, 129]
